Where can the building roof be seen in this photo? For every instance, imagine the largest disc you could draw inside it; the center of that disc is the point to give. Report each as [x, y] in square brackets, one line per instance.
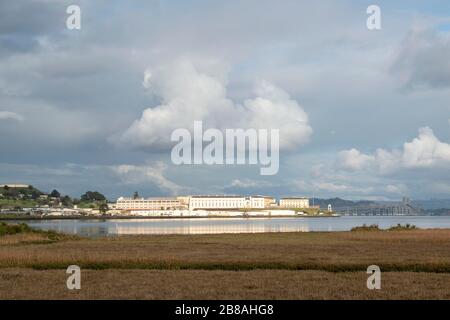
[148, 199]
[227, 196]
[217, 196]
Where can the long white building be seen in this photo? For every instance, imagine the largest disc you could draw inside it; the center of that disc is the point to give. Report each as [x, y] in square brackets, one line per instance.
[207, 202]
[163, 203]
[226, 202]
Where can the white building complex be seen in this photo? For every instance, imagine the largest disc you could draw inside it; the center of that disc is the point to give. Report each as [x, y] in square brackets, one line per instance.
[195, 203]
[206, 202]
[226, 202]
[164, 203]
[301, 202]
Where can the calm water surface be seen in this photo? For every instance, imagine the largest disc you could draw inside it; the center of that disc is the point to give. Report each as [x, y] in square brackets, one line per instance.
[95, 227]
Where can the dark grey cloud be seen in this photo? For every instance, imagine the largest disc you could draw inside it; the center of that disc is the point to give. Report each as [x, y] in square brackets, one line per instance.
[30, 17]
[24, 22]
[422, 60]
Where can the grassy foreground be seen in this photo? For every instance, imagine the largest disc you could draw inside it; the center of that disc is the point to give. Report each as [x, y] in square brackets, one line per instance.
[201, 284]
[414, 263]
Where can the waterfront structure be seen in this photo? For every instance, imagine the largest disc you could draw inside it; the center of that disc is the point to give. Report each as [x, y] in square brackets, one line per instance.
[226, 202]
[297, 202]
[162, 203]
[201, 202]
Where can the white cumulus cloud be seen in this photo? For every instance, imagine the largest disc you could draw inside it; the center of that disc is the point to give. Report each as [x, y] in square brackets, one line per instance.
[154, 173]
[353, 159]
[188, 95]
[424, 151]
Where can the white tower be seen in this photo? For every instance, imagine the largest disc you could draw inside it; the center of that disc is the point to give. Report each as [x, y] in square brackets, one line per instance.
[329, 208]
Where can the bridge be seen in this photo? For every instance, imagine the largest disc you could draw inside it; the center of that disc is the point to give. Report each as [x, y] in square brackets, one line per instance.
[396, 209]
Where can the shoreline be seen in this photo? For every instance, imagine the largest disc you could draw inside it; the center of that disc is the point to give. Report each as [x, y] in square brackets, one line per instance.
[187, 217]
[154, 218]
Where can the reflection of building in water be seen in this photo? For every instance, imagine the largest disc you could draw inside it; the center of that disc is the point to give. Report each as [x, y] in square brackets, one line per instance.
[203, 227]
[294, 202]
[78, 227]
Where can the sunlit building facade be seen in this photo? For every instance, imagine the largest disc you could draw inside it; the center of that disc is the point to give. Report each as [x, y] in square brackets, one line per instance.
[300, 202]
[163, 203]
[207, 202]
[225, 202]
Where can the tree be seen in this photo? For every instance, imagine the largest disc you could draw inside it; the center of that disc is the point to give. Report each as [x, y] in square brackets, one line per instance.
[7, 192]
[66, 201]
[136, 195]
[103, 208]
[92, 196]
[55, 194]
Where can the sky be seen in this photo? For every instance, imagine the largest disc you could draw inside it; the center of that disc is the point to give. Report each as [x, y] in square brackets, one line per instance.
[363, 114]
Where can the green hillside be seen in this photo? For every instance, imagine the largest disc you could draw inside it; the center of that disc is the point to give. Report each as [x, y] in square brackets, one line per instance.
[20, 193]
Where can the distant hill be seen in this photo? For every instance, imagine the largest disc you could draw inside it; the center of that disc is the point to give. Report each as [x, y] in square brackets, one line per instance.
[13, 192]
[338, 202]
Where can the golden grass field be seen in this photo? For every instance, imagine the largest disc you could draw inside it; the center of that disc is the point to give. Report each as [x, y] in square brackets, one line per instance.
[318, 265]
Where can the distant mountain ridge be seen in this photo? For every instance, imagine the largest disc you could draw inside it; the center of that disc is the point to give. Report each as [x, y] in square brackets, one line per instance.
[338, 202]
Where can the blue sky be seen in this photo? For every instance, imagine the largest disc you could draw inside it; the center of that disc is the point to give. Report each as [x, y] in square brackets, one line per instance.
[77, 112]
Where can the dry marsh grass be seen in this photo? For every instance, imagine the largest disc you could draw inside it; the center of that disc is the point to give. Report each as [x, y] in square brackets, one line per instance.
[415, 250]
[23, 238]
[14, 234]
[244, 266]
[217, 284]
